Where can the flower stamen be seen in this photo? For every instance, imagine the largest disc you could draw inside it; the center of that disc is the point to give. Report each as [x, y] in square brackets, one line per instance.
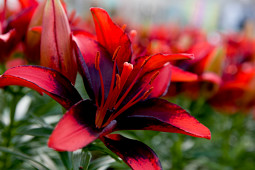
[154, 77]
[129, 104]
[114, 100]
[118, 81]
[115, 54]
[145, 61]
[99, 111]
[102, 83]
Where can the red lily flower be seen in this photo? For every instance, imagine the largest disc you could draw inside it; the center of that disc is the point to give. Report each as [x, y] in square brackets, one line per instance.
[13, 26]
[236, 94]
[188, 76]
[76, 129]
[123, 96]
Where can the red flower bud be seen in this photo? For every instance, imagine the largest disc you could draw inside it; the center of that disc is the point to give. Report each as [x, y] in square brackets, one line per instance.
[56, 50]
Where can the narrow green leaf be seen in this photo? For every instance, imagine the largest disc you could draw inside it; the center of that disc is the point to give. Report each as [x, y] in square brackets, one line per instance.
[43, 131]
[85, 160]
[101, 162]
[81, 160]
[66, 159]
[104, 150]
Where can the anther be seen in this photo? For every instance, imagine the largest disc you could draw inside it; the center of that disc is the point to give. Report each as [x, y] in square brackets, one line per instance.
[153, 77]
[145, 61]
[118, 81]
[147, 93]
[97, 60]
[116, 53]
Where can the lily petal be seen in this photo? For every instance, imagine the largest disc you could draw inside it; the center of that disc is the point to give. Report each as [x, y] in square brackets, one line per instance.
[33, 35]
[28, 3]
[80, 32]
[86, 50]
[158, 60]
[154, 62]
[76, 129]
[111, 36]
[136, 154]
[7, 42]
[211, 77]
[162, 81]
[161, 115]
[17, 27]
[4, 38]
[160, 84]
[20, 22]
[42, 79]
[179, 75]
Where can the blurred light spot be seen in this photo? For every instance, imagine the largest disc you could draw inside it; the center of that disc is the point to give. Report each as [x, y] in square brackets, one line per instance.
[156, 140]
[214, 38]
[6, 116]
[22, 107]
[187, 145]
[52, 119]
[25, 138]
[231, 69]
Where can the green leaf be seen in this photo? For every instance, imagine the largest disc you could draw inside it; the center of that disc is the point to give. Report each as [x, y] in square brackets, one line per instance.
[21, 156]
[85, 160]
[66, 159]
[81, 160]
[80, 87]
[104, 150]
[43, 131]
[101, 162]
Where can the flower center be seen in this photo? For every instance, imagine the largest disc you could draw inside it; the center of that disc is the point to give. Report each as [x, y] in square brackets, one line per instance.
[121, 86]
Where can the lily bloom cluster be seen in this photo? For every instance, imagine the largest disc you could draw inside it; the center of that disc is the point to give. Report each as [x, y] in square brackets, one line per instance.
[123, 88]
[222, 72]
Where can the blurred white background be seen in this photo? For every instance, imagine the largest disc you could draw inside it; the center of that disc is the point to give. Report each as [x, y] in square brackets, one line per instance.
[223, 15]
